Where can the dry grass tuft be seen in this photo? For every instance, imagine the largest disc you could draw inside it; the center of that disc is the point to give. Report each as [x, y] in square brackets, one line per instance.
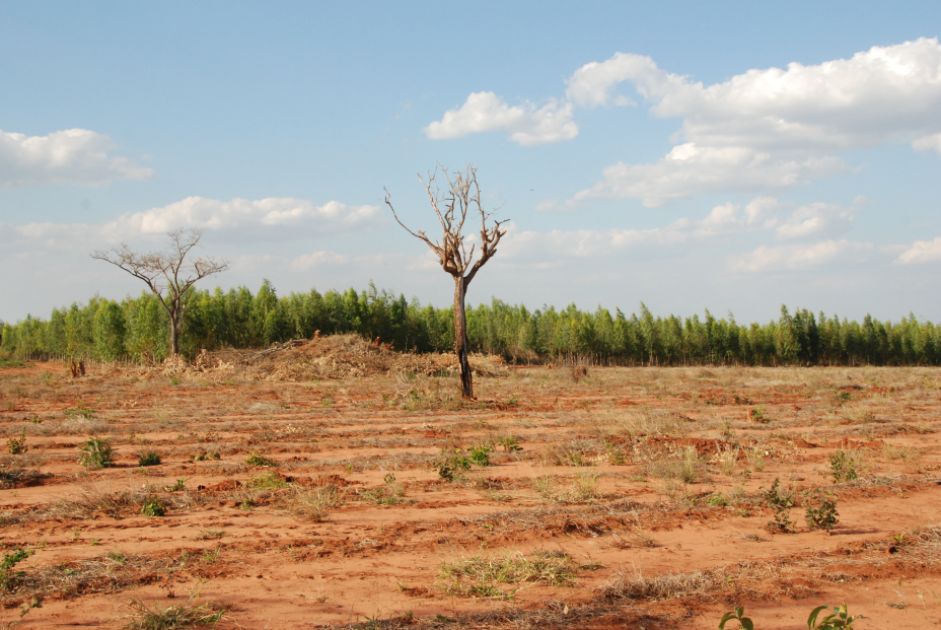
[172, 617]
[482, 577]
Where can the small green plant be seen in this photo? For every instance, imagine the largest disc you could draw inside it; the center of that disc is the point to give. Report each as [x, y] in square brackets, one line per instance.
[843, 467]
[839, 619]
[480, 455]
[268, 480]
[17, 446]
[781, 501]
[153, 507]
[451, 463]
[148, 458]
[737, 615]
[717, 500]
[96, 453]
[259, 460]
[8, 576]
[178, 486]
[758, 415]
[823, 515]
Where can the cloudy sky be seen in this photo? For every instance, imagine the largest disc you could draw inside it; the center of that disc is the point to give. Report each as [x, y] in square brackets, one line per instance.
[733, 156]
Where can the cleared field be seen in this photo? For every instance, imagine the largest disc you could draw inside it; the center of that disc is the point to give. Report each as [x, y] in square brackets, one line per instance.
[620, 498]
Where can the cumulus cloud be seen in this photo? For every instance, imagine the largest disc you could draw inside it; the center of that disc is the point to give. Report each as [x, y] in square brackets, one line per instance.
[70, 156]
[798, 257]
[526, 124]
[921, 252]
[594, 83]
[770, 128]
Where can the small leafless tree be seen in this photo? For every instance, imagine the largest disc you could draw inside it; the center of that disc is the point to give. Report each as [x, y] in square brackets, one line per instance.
[458, 258]
[167, 274]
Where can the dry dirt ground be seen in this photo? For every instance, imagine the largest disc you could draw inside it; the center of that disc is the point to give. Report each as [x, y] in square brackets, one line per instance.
[620, 498]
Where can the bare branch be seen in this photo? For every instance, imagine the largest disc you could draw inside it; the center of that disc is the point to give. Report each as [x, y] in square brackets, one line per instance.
[166, 274]
[453, 252]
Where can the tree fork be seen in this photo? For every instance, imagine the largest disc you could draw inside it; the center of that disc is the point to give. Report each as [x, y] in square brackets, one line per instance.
[454, 255]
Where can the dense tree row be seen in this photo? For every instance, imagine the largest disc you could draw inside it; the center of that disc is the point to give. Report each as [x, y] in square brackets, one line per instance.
[136, 329]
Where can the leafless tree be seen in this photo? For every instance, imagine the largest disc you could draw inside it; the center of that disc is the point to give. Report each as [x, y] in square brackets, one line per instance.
[456, 256]
[167, 274]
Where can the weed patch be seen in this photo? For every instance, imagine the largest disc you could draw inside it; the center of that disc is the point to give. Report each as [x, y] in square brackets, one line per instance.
[486, 577]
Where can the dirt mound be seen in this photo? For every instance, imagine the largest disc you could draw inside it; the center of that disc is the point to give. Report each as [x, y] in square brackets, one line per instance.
[337, 357]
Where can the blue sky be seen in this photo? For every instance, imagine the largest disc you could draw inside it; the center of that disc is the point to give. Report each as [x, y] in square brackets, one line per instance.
[730, 156]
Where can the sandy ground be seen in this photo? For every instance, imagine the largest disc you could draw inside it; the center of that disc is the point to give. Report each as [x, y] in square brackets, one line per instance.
[625, 498]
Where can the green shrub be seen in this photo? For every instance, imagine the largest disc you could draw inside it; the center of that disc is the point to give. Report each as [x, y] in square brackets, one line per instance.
[781, 501]
[823, 515]
[480, 455]
[260, 460]
[8, 576]
[451, 463]
[268, 480]
[153, 507]
[17, 446]
[148, 458]
[843, 467]
[96, 453]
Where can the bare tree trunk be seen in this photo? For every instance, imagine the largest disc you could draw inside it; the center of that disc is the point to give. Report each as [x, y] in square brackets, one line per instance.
[174, 336]
[460, 338]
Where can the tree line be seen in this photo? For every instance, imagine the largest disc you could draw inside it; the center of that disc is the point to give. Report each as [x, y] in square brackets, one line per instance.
[135, 329]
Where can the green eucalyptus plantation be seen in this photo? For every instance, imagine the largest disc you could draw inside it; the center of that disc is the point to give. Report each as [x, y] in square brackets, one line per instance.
[135, 328]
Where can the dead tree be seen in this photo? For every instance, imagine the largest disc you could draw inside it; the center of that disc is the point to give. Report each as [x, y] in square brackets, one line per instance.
[167, 275]
[452, 209]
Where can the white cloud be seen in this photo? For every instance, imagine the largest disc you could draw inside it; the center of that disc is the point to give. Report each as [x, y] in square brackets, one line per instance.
[70, 156]
[761, 210]
[797, 257]
[769, 128]
[722, 219]
[593, 84]
[526, 124]
[922, 252]
[215, 214]
[692, 169]
[242, 217]
[815, 219]
[928, 143]
[585, 243]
